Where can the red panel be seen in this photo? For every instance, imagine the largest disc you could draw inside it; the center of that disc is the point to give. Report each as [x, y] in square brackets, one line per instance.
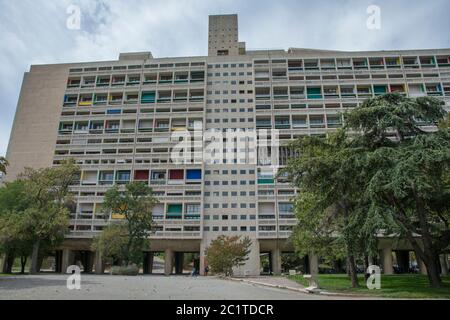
[141, 175]
[176, 174]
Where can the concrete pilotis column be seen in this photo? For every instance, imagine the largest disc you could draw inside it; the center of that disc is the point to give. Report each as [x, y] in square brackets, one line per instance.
[276, 262]
[203, 262]
[443, 259]
[179, 262]
[88, 262]
[386, 255]
[148, 262]
[99, 265]
[168, 262]
[67, 256]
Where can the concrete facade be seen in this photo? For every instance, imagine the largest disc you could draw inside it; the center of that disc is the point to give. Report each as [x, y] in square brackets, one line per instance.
[121, 120]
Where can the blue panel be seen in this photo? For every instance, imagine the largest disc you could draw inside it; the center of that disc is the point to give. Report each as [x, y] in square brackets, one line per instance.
[194, 174]
[114, 111]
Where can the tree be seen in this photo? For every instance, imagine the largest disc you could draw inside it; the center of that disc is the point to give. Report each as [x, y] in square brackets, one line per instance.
[46, 218]
[330, 206]
[408, 170]
[13, 202]
[383, 172]
[126, 241]
[3, 165]
[224, 253]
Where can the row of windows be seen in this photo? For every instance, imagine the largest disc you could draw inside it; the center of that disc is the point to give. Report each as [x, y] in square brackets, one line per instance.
[226, 101]
[227, 65]
[229, 110]
[232, 205]
[233, 120]
[232, 92]
[233, 82]
[226, 183]
[233, 228]
[207, 172]
[230, 74]
[136, 67]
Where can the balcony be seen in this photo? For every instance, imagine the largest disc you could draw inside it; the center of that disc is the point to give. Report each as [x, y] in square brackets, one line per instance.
[411, 62]
[73, 83]
[197, 76]
[295, 65]
[334, 122]
[427, 62]
[196, 96]
[327, 64]
[118, 81]
[150, 79]
[443, 61]
[299, 122]
[134, 80]
[360, 63]
[393, 62]
[263, 123]
[103, 81]
[311, 65]
[164, 96]
[282, 123]
[330, 92]
[376, 63]
[148, 97]
[316, 122]
[280, 93]
[379, 89]
[344, 64]
[434, 89]
[165, 78]
[174, 211]
[314, 93]
[397, 88]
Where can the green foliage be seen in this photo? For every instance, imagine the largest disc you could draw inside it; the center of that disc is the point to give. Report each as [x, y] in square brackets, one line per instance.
[382, 172]
[3, 164]
[33, 209]
[224, 253]
[126, 241]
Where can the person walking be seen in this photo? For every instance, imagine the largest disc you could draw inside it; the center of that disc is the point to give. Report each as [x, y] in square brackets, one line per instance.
[206, 271]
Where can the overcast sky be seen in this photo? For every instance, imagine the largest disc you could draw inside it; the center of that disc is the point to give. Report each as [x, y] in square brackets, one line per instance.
[35, 32]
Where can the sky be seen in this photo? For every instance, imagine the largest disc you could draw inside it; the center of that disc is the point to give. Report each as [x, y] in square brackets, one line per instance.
[36, 32]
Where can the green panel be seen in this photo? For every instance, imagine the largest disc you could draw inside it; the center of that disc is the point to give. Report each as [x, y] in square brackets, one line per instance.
[379, 89]
[313, 90]
[175, 208]
[265, 181]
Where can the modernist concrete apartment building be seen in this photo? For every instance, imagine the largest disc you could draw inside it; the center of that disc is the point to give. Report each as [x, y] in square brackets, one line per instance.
[117, 120]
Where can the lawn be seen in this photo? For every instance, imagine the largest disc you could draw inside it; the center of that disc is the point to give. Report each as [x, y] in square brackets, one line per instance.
[392, 286]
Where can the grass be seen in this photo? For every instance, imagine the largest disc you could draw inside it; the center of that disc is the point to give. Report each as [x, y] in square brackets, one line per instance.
[392, 286]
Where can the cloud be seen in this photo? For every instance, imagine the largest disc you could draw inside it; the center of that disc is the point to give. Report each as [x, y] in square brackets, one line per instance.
[34, 31]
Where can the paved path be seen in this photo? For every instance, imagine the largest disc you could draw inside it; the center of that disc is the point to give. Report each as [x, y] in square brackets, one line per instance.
[105, 287]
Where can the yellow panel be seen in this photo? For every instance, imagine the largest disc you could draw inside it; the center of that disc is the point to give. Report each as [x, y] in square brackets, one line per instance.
[118, 216]
[85, 103]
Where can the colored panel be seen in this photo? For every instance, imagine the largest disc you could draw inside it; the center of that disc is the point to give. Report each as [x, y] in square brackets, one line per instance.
[194, 174]
[176, 174]
[141, 175]
[379, 89]
[175, 209]
[148, 97]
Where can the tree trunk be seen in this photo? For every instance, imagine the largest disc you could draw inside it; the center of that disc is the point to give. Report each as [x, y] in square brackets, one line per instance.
[433, 271]
[34, 258]
[10, 257]
[23, 262]
[352, 269]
